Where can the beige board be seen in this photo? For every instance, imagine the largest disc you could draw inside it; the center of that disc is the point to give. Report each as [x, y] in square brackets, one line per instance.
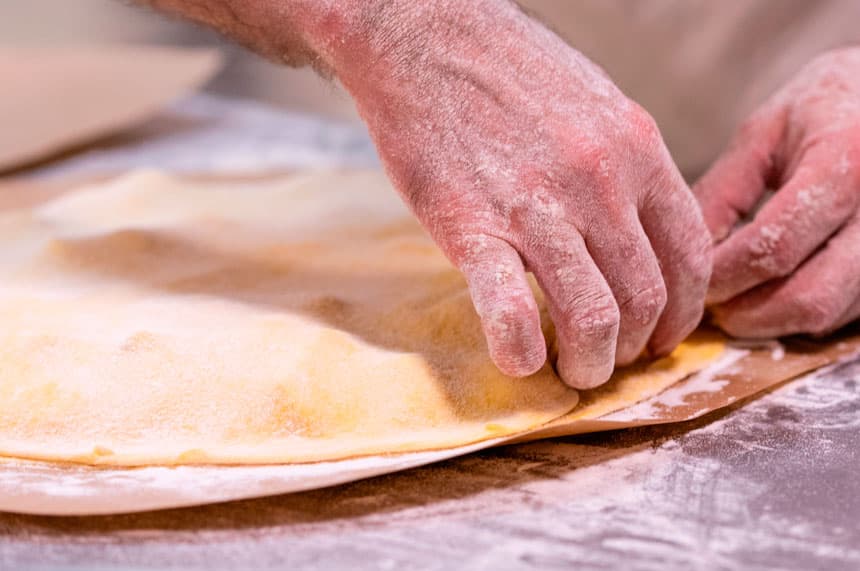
[58, 98]
[106, 283]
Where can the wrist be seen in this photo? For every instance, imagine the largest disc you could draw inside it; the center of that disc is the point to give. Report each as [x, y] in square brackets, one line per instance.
[367, 43]
[334, 33]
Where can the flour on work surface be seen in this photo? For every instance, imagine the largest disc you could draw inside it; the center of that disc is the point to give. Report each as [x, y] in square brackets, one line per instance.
[709, 380]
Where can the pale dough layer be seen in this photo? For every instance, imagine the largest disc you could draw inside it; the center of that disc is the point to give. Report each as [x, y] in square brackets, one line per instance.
[156, 321]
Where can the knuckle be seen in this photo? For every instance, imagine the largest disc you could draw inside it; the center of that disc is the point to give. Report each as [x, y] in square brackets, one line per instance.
[646, 305]
[750, 136]
[755, 124]
[597, 318]
[591, 162]
[505, 314]
[844, 200]
[641, 135]
[514, 339]
[473, 253]
[642, 127]
[776, 264]
[596, 160]
[770, 254]
[749, 128]
[501, 324]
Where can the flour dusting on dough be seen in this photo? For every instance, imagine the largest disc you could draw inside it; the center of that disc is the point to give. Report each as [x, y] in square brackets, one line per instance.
[152, 320]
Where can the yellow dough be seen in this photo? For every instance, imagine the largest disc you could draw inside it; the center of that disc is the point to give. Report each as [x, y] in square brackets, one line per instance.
[154, 321]
[644, 380]
[157, 321]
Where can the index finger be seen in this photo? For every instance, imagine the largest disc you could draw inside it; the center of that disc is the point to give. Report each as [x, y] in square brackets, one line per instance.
[801, 216]
[736, 182]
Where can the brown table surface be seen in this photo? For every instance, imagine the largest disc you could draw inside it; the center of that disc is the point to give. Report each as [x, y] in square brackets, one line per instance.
[771, 484]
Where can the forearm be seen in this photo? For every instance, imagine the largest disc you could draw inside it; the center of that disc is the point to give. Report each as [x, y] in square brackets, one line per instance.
[280, 30]
[347, 37]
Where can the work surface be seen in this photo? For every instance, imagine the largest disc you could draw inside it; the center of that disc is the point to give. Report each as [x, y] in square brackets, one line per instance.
[770, 485]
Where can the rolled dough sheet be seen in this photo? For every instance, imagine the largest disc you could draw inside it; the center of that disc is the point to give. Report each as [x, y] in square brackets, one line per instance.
[154, 321]
[101, 297]
[52, 488]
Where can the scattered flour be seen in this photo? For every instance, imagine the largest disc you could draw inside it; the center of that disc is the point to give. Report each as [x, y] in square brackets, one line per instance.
[708, 380]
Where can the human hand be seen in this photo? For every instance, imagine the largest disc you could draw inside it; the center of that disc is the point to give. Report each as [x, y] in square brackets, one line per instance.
[518, 154]
[795, 268]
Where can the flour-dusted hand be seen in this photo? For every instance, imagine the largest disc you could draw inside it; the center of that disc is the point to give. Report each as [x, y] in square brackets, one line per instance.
[517, 154]
[795, 268]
